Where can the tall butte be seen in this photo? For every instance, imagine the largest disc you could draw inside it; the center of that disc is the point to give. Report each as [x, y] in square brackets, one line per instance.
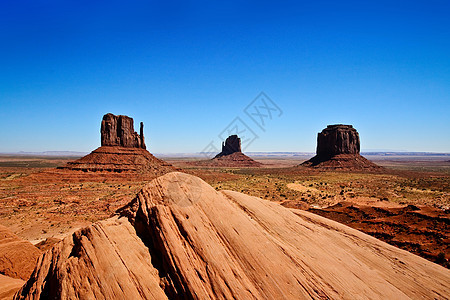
[338, 147]
[122, 150]
[119, 131]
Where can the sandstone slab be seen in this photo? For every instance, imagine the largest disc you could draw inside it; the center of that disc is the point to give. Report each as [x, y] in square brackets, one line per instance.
[179, 238]
[17, 257]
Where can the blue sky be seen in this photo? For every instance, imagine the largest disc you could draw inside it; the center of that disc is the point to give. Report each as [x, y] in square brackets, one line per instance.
[187, 69]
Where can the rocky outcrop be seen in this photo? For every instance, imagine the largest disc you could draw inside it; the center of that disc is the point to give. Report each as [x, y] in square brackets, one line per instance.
[120, 159]
[338, 139]
[122, 150]
[231, 156]
[231, 145]
[9, 286]
[17, 257]
[119, 131]
[181, 239]
[338, 147]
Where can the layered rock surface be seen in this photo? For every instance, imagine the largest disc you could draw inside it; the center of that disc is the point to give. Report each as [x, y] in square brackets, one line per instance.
[119, 131]
[179, 238]
[17, 257]
[338, 147]
[9, 286]
[120, 159]
[338, 139]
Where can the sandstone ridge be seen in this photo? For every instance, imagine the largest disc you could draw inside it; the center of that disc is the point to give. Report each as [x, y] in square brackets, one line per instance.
[180, 238]
[17, 256]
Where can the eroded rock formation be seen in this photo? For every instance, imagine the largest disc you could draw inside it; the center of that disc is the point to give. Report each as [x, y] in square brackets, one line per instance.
[122, 150]
[338, 139]
[230, 156]
[338, 147]
[119, 131]
[181, 239]
[231, 145]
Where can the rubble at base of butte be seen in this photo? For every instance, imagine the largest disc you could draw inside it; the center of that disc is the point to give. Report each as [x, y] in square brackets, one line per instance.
[338, 147]
[122, 150]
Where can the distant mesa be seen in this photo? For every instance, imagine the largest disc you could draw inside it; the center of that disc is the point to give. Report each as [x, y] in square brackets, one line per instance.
[230, 156]
[338, 139]
[231, 145]
[122, 150]
[338, 147]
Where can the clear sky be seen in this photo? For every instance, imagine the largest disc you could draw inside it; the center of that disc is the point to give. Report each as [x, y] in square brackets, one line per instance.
[188, 68]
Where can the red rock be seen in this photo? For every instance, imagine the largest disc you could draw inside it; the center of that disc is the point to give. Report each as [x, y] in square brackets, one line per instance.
[120, 159]
[47, 243]
[338, 139]
[231, 145]
[230, 156]
[119, 131]
[9, 286]
[181, 239]
[122, 150]
[17, 257]
[338, 148]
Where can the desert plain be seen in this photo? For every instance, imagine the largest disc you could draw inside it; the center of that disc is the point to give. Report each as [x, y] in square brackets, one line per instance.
[120, 222]
[407, 204]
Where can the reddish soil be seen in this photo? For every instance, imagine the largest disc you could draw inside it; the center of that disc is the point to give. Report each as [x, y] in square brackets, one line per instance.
[120, 159]
[55, 202]
[234, 160]
[38, 203]
[418, 229]
[350, 162]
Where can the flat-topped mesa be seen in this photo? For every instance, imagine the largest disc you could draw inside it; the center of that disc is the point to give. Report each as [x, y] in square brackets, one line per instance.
[338, 139]
[119, 131]
[338, 147]
[231, 145]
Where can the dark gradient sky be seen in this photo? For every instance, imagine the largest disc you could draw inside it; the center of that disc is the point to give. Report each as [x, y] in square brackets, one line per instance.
[187, 69]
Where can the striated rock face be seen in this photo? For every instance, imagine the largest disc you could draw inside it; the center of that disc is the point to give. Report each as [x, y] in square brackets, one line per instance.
[231, 145]
[338, 139]
[120, 159]
[181, 239]
[338, 147]
[119, 131]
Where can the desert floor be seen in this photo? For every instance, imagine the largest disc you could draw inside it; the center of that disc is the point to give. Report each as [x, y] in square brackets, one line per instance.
[406, 205]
